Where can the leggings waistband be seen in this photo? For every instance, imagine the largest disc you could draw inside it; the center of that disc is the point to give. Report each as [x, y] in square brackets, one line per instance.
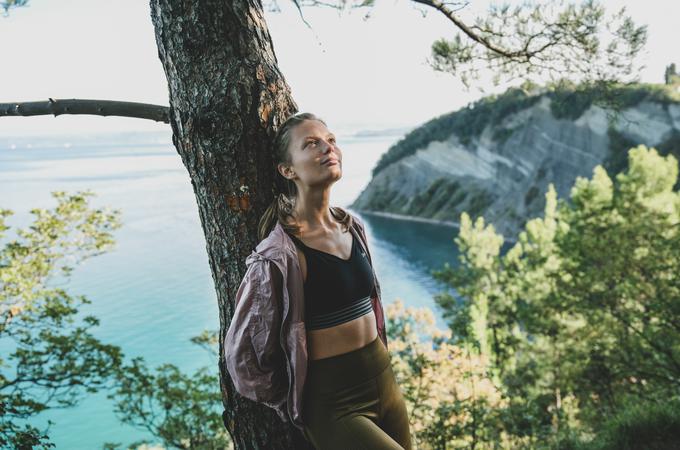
[347, 369]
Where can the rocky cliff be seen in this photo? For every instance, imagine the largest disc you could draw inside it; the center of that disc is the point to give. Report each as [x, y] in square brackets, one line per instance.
[496, 157]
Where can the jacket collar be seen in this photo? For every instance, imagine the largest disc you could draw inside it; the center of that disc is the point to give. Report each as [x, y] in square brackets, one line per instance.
[273, 247]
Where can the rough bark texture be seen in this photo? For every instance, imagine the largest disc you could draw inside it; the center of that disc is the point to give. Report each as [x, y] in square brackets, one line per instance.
[227, 98]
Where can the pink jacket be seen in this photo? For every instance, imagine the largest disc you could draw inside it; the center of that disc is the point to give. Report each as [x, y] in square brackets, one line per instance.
[265, 347]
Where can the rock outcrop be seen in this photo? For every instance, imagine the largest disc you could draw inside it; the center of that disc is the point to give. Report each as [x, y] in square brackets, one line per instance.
[502, 169]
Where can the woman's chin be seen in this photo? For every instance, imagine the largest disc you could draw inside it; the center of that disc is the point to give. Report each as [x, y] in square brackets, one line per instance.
[334, 171]
[329, 177]
[334, 177]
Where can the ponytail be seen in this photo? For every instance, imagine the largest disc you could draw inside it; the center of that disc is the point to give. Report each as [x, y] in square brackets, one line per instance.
[281, 210]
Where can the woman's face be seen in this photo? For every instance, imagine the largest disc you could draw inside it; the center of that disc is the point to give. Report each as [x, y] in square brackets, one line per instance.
[316, 159]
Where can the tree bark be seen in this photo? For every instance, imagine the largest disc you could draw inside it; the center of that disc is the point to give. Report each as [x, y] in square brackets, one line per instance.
[227, 98]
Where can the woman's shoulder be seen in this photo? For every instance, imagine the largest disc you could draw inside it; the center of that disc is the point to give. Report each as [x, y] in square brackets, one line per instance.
[274, 244]
[342, 214]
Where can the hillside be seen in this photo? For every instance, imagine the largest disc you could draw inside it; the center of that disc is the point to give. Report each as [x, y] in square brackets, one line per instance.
[496, 156]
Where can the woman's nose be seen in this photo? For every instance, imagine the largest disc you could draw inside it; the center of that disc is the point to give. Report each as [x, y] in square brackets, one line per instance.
[327, 146]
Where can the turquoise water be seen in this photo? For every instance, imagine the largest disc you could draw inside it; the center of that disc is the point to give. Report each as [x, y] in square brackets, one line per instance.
[154, 290]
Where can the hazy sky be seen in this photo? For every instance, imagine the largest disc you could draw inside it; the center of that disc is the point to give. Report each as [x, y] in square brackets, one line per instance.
[351, 72]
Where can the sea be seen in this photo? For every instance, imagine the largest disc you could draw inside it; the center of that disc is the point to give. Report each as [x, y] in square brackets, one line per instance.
[153, 290]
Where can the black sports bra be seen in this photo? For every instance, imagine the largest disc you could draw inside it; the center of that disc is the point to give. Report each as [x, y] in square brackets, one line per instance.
[336, 290]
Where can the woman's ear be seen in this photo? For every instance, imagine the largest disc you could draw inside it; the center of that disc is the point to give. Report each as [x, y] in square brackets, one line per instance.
[285, 171]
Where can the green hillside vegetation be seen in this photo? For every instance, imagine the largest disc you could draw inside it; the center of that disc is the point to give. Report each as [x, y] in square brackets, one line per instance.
[618, 150]
[569, 101]
[567, 341]
[578, 322]
[638, 426]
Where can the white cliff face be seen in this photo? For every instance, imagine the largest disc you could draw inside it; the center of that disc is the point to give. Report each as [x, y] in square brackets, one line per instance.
[506, 180]
[648, 122]
[452, 158]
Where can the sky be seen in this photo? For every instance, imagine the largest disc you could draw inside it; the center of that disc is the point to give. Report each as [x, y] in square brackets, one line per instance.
[354, 73]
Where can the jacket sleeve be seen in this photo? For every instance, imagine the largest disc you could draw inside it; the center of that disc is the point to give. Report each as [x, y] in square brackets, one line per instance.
[253, 354]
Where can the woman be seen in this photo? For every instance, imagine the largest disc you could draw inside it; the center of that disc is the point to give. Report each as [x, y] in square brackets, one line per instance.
[324, 280]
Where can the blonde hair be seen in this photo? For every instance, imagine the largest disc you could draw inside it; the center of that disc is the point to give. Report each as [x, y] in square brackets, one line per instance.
[283, 205]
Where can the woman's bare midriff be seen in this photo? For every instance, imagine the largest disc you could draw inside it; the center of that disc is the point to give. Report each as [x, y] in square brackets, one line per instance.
[342, 338]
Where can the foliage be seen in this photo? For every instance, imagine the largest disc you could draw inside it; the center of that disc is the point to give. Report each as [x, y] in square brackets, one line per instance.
[451, 396]
[544, 38]
[653, 426]
[619, 144]
[670, 75]
[528, 40]
[445, 387]
[183, 411]
[581, 316]
[570, 101]
[617, 157]
[53, 358]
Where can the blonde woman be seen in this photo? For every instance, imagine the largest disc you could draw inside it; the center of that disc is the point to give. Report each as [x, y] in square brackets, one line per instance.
[308, 337]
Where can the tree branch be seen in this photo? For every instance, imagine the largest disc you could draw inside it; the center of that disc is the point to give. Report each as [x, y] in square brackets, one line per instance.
[439, 6]
[93, 107]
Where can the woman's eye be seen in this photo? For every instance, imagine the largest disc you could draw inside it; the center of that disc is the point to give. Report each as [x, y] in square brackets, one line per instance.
[312, 142]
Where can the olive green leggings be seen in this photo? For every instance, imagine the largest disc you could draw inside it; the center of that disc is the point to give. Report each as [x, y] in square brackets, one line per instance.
[352, 401]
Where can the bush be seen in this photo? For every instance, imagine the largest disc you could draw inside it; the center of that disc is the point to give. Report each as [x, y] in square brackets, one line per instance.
[569, 101]
[650, 426]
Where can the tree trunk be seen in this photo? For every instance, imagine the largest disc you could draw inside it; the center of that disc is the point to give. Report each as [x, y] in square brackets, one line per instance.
[227, 98]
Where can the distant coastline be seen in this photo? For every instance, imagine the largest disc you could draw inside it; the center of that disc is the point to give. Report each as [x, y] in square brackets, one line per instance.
[383, 132]
[447, 223]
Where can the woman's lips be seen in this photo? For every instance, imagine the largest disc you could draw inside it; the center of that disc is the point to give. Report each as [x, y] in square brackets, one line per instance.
[330, 162]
